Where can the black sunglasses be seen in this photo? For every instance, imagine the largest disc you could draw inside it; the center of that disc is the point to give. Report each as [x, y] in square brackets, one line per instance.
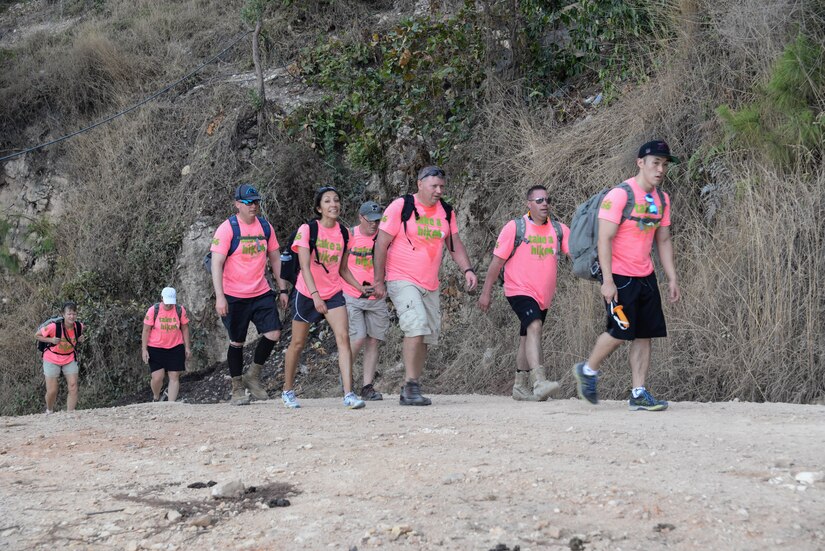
[250, 201]
[540, 200]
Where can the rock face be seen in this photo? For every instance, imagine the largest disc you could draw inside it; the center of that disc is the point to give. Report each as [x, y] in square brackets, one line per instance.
[27, 196]
[195, 288]
[407, 154]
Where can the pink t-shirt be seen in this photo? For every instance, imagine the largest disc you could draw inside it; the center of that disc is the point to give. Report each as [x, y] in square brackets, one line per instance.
[63, 352]
[165, 332]
[532, 270]
[360, 260]
[634, 239]
[243, 271]
[329, 250]
[416, 262]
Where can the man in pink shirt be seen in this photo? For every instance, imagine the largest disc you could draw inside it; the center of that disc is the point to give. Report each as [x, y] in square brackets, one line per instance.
[242, 293]
[368, 316]
[530, 269]
[628, 277]
[407, 258]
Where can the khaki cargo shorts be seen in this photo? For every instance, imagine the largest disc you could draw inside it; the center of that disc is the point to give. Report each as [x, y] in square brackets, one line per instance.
[53, 370]
[419, 310]
[367, 318]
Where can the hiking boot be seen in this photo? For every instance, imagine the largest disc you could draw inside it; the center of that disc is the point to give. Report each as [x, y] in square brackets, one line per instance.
[585, 384]
[521, 387]
[411, 395]
[252, 381]
[369, 394]
[290, 401]
[239, 397]
[646, 402]
[353, 402]
[542, 388]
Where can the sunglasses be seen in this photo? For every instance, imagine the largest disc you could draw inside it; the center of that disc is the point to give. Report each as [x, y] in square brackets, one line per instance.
[540, 200]
[651, 205]
[250, 201]
[431, 171]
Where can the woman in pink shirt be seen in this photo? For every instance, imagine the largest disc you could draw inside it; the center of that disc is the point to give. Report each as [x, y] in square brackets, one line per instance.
[319, 293]
[165, 343]
[60, 355]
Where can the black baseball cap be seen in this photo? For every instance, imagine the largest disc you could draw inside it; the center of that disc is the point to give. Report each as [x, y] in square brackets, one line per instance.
[247, 192]
[657, 148]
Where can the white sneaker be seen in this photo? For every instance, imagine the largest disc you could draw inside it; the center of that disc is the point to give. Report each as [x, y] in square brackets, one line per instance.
[290, 401]
[353, 402]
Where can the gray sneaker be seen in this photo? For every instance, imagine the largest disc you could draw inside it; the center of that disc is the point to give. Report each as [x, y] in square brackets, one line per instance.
[369, 394]
[411, 395]
[353, 402]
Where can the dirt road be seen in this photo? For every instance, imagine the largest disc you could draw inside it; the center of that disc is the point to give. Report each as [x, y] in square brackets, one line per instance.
[469, 472]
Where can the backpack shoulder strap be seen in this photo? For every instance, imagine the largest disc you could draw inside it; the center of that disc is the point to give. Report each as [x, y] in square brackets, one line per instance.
[448, 211]
[344, 234]
[521, 232]
[313, 236]
[179, 310]
[627, 212]
[662, 199]
[266, 226]
[559, 236]
[236, 234]
[58, 329]
[78, 329]
[156, 307]
[408, 209]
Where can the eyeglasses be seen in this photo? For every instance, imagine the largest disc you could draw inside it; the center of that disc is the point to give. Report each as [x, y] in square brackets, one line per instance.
[428, 171]
[651, 205]
[250, 201]
[540, 200]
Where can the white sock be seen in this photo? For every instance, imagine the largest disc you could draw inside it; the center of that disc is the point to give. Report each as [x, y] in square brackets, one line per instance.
[587, 371]
[638, 391]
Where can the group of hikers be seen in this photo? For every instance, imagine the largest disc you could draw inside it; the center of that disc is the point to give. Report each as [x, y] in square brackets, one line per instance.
[344, 274]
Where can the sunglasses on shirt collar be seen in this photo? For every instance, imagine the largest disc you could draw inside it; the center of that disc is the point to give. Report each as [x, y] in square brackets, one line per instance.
[651, 204]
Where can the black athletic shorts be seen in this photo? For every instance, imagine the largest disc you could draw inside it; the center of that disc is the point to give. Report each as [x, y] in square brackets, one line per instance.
[527, 310]
[304, 307]
[261, 310]
[642, 304]
[170, 359]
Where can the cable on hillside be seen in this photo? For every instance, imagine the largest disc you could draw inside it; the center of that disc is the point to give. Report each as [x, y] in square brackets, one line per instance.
[133, 107]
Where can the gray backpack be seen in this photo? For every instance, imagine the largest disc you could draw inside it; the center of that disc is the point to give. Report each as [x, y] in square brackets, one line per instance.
[584, 231]
[521, 232]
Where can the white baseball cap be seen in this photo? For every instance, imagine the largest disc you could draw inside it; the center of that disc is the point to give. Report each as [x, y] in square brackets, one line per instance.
[169, 295]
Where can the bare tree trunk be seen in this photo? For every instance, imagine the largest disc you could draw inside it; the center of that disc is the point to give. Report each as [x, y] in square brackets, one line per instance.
[256, 58]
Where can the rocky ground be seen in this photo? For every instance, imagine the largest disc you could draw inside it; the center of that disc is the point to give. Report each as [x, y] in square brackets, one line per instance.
[469, 472]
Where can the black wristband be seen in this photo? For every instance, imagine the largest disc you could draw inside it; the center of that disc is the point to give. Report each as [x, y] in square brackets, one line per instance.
[469, 270]
[283, 292]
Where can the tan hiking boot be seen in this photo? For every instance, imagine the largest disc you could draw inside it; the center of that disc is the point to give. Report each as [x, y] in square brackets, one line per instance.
[252, 380]
[239, 397]
[522, 391]
[542, 388]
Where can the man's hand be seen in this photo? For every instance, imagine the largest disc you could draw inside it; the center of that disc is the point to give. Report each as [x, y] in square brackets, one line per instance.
[379, 290]
[221, 306]
[673, 292]
[609, 291]
[484, 301]
[470, 280]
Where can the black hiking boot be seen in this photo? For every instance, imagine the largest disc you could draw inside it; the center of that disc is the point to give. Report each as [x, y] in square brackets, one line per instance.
[411, 395]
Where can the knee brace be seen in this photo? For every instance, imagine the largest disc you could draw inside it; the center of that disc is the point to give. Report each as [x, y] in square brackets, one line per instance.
[263, 350]
[234, 359]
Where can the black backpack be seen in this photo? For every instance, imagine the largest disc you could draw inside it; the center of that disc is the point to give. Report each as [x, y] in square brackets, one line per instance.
[236, 238]
[409, 208]
[290, 266]
[58, 332]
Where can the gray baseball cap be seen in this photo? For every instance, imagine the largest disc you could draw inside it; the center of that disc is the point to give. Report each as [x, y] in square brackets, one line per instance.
[371, 210]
